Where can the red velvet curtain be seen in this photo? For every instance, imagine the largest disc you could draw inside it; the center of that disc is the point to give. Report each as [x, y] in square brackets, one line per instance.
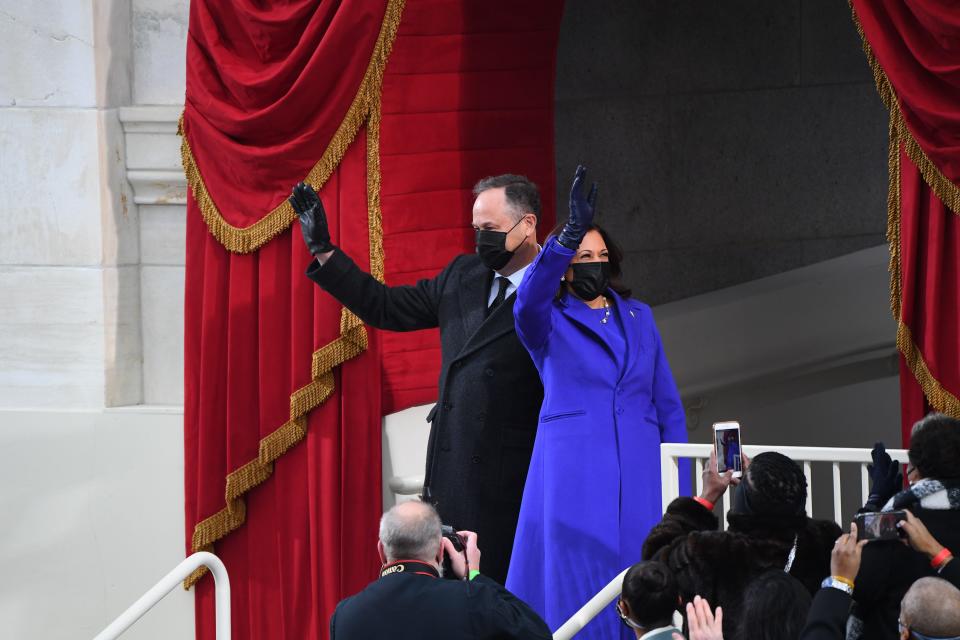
[913, 47]
[284, 393]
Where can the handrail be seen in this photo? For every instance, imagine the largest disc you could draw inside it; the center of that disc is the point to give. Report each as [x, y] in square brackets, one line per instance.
[670, 453]
[406, 485]
[170, 582]
[590, 610]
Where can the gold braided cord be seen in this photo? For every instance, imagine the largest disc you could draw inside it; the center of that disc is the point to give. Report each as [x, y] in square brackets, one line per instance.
[351, 343]
[899, 135]
[249, 239]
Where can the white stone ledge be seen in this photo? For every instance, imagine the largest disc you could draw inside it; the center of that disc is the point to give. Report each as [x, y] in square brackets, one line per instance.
[150, 119]
[153, 160]
[158, 187]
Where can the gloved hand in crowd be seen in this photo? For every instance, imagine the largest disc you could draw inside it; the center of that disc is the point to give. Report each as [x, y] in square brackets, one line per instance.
[885, 478]
[581, 211]
[313, 219]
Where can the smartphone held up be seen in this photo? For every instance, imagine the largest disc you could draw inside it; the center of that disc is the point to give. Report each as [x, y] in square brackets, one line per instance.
[726, 439]
[880, 525]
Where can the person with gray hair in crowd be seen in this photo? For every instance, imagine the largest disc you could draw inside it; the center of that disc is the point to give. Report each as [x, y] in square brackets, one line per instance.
[930, 610]
[408, 600]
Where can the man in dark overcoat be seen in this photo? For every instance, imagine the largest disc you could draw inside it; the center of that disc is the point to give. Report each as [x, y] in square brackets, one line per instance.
[408, 601]
[484, 423]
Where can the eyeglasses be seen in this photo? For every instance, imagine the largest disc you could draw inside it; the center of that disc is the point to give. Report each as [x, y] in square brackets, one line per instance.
[920, 636]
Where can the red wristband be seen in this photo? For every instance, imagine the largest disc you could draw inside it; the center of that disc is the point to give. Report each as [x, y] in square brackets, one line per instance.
[706, 503]
[940, 558]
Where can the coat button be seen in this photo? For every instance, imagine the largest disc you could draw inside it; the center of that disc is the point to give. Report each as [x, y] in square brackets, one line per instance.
[482, 415]
[475, 459]
[619, 411]
[488, 372]
[448, 405]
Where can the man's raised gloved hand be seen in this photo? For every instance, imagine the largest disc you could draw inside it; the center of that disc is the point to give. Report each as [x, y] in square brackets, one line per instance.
[313, 219]
[885, 478]
[581, 211]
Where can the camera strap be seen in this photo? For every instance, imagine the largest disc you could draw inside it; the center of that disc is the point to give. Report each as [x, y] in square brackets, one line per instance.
[415, 567]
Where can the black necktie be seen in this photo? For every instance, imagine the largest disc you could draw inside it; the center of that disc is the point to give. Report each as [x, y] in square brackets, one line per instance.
[501, 293]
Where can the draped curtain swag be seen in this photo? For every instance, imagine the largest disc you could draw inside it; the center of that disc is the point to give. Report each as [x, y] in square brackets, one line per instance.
[913, 49]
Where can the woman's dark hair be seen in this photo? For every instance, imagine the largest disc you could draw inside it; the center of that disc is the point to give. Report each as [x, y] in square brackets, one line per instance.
[776, 484]
[776, 492]
[651, 592]
[615, 256]
[935, 446]
[775, 607]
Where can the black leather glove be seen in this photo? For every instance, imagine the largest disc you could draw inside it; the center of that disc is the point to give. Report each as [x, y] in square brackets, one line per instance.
[581, 211]
[313, 219]
[885, 477]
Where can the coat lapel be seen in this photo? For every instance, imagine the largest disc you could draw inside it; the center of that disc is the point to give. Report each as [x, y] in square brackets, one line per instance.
[630, 321]
[497, 324]
[474, 290]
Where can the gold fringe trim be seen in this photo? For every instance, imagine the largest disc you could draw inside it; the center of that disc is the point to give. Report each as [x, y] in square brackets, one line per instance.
[249, 239]
[351, 343]
[938, 396]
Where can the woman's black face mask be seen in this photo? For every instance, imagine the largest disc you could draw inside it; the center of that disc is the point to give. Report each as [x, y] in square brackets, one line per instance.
[590, 279]
[492, 247]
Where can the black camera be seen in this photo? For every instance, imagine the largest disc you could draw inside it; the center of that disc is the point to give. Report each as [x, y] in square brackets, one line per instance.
[451, 534]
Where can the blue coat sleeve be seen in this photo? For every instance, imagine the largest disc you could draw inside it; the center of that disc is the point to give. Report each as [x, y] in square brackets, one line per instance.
[532, 309]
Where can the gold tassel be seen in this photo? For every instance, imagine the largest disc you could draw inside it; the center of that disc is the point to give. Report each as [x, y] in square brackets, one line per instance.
[249, 239]
[899, 134]
[351, 343]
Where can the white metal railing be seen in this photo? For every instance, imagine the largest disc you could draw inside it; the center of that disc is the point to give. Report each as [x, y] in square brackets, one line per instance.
[590, 610]
[671, 453]
[406, 485]
[170, 582]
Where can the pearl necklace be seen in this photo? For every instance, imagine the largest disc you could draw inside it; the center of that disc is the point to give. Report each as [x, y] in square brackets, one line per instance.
[606, 311]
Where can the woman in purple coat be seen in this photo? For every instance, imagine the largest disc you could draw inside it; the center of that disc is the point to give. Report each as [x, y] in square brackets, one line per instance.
[593, 489]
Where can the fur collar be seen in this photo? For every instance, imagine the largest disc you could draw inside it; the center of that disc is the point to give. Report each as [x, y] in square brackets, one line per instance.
[928, 493]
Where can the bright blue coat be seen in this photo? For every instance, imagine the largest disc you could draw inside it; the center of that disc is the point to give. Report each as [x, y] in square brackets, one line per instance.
[593, 489]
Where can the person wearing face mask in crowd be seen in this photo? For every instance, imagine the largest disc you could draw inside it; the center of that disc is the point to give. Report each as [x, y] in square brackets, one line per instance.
[593, 489]
[484, 423]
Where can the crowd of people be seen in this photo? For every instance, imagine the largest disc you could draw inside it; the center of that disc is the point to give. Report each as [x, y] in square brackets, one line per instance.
[554, 396]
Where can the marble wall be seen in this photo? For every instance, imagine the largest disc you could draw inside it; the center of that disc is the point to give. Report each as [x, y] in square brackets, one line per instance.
[91, 333]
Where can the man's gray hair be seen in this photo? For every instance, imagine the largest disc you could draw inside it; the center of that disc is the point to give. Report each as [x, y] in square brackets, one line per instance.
[932, 607]
[410, 531]
[523, 197]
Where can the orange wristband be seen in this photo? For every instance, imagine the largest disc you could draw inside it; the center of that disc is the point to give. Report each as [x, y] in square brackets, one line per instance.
[845, 581]
[941, 558]
[706, 503]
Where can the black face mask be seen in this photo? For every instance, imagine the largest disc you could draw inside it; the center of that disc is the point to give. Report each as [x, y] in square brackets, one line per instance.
[492, 247]
[590, 279]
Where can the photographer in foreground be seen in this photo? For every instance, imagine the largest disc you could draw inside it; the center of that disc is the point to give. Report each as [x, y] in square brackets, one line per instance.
[408, 601]
[933, 498]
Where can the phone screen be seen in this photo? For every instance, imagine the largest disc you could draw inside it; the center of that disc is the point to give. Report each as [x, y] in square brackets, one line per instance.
[879, 526]
[727, 441]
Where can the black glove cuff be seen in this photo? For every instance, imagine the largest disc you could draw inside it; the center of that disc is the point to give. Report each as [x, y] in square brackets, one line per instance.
[570, 238]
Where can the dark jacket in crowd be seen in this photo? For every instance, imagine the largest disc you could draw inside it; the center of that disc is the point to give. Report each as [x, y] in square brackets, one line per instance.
[419, 607]
[484, 424]
[718, 565]
[831, 609]
[888, 568]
